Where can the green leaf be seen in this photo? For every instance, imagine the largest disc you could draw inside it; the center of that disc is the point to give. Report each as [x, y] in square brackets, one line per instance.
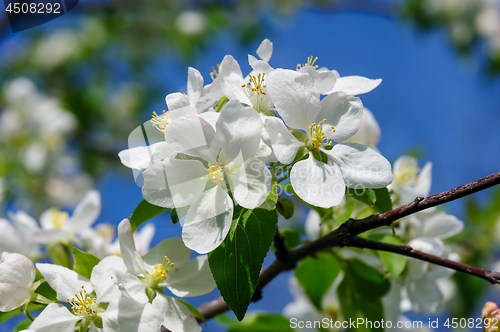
[285, 207]
[143, 212]
[84, 262]
[379, 198]
[236, 263]
[360, 293]
[194, 311]
[316, 275]
[272, 198]
[292, 237]
[256, 322]
[22, 326]
[394, 264]
[299, 135]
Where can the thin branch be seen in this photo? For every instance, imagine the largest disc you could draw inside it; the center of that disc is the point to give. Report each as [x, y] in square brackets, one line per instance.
[491, 276]
[348, 231]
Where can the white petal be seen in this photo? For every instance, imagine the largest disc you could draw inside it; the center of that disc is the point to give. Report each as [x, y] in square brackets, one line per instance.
[194, 85]
[232, 80]
[265, 50]
[64, 281]
[291, 93]
[355, 85]
[251, 183]
[12, 296]
[238, 130]
[106, 290]
[423, 186]
[178, 104]
[193, 136]
[283, 143]
[16, 269]
[361, 166]
[208, 221]
[85, 214]
[323, 80]
[127, 315]
[210, 117]
[174, 182]
[131, 258]
[55, 317]
[312, 225]
[317, 183]
[425, 296]
[25, 223]
[12, 240]
[442, 226]
[143, 238]
[129, 283]
[369, 131]
[176, 317]
[192, 279]
[141, 157]
[174, 248]
[343, 112]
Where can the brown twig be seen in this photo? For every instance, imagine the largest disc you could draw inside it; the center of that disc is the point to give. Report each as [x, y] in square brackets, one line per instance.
[405, 250]
[347, 232]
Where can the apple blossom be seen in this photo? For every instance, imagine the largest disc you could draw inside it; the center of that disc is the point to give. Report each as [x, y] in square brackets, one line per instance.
[336, 117]
[96, 303]
[228, 155]
[17, 275]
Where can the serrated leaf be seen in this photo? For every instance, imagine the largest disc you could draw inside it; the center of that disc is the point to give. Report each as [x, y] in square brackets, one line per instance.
[143, 212]
[256, 322]
[378, 198]
[236, 263]
[285, 207]
[316, 275]
[393, 263]
[194, 311]
[84, 262]
[360, 293]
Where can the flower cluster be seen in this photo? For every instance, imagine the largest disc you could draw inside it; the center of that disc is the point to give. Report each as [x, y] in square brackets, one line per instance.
[223, 141]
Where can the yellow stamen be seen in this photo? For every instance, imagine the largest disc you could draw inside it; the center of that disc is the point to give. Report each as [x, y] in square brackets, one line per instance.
[407, 174]
[310, 62]
[160, 271]
[58, 218]
[216, 173]
[215, 72]
[84, 304]
[160, 122]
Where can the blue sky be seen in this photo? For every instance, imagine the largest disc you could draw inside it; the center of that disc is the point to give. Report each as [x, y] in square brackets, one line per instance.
[429, 98]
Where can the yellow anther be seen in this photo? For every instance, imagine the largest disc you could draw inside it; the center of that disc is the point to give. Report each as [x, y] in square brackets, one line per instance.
[333, 128]
[58, 218]
[216, 173]
[160, 122]
[160, 271]
[324, 120]
[310, 62]
[215, 72]
[407, 174]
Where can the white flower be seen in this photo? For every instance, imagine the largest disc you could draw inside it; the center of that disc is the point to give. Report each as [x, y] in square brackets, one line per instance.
[227, 154]
[16, 240]
[352, 85]
[99, 240]
[190, 22]
[334, 118]
[57, 226]
[165, 265]
[96, 303]
[423, 287]
[369, 131]
[409, 181]
[17, 274]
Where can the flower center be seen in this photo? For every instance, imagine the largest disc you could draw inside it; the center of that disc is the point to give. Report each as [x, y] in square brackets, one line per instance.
[407, 175]
[255, 90]
[215, 72]
[317, 135]
[310, 62]
[105, 231]
[83, 305]
[159, 121]
[160, 272]
[216, 173]
[59, 218]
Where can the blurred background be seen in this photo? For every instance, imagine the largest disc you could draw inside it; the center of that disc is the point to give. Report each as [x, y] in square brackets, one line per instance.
[73, 89]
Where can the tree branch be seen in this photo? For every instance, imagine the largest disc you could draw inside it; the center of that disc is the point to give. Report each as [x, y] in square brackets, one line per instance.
[346, 235]
[405, 250]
